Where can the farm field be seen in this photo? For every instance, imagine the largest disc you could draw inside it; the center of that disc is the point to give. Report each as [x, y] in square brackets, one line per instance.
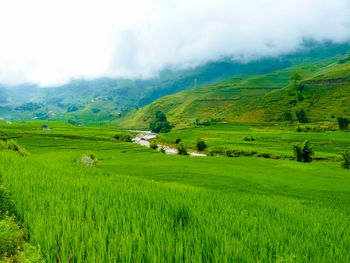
[141, 205]
[274, 139]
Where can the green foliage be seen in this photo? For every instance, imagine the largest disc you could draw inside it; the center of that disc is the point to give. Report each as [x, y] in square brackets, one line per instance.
[12, 236]
[162, 150]
[95, 110]
[249, 138]
[301, 116]
[160, 124]
[89, 159]
[181, 150]
[72, 108]
[11, 145]
[153, 145]
[303, 152]
[213, 121]
[177, 141]
[287, 116]
[345, 159]
[200, 145]
[123, 137]
[343, 123]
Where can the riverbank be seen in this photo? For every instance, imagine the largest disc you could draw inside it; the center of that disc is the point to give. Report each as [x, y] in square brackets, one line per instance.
[143, 138]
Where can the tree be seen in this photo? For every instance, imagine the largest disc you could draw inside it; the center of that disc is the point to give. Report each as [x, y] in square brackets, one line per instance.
[181, 150]
[295, 78]
[303, 152]
[160, 124]
[343, 123]
[346, 159]
[301, 116]
[201, 146]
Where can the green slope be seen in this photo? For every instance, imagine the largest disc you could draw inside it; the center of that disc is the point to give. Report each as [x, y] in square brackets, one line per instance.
[262, 98]
[113, 97]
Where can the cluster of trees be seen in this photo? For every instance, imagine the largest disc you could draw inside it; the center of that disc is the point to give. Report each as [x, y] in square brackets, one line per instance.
[160, 124]
[343, 123]
[123, 137]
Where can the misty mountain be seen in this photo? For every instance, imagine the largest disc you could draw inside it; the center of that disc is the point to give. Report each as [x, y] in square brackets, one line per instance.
[107, 98]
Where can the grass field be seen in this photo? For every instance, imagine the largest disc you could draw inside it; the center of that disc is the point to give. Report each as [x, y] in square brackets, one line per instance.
[274, 139]
[140, 205]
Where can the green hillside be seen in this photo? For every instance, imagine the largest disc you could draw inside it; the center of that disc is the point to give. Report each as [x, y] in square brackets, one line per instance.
[323, 92]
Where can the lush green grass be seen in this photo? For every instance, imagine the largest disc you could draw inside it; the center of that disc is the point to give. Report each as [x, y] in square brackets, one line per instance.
[13, 238]
[273, 139]
[144, 206]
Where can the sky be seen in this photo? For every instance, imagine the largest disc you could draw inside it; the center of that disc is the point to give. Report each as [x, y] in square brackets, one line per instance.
[50, 42]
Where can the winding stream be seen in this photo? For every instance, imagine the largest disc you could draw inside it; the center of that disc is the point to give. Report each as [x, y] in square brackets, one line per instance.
[142, 138]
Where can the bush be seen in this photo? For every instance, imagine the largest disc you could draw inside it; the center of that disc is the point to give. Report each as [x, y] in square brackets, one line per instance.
[301, 116]
[303, 152]
[343, 123]
[178, 140]
[162, 150]
[249, 138]
[201, 146]
[181, 150]
[95, 110]
[123, 137]
[88, 159]
[346, 159]
[153, 145]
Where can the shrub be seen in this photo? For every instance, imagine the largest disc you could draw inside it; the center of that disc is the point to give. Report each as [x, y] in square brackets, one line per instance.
[123, 137]
[181, 150]
[299, 129]
[303, 152]
[249, 138]
[95, 110]
[153, 145]
[88, 159]
[301, 116]
[178, 140]
[346, 159]
[343, 123]
[162, 150]
[201, 146]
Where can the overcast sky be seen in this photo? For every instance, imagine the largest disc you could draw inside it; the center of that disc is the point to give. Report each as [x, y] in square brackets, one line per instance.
[49, 42]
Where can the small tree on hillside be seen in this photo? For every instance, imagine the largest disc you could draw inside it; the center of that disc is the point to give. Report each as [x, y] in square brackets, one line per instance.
[181, 150]
[346, 159]
[343, 123]
[301, 116]
[295, 78]
[303, 152]
[160, 124]
[201, 146]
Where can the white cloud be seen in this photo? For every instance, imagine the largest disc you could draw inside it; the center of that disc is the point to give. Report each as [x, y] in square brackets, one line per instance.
[48, 42]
